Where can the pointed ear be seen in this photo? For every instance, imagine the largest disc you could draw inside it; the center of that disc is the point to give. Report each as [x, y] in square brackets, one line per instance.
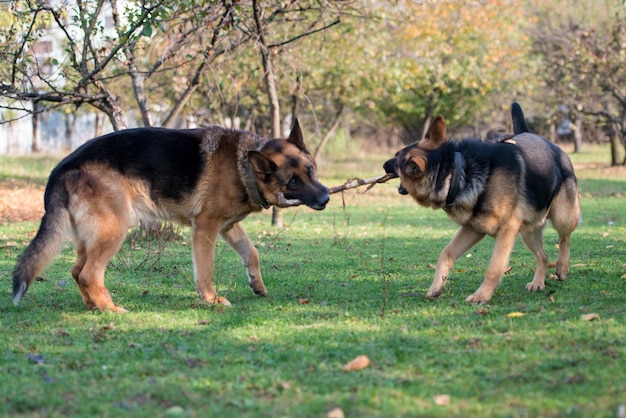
[437, 133]
[414, 167]
[295, 137]
[262, 166]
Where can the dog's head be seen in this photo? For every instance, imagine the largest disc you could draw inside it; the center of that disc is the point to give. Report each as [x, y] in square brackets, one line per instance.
[411, 163]
[284, 166]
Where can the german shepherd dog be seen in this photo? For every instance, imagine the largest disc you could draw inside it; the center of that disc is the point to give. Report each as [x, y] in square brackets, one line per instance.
[507, 186]
[210, 179]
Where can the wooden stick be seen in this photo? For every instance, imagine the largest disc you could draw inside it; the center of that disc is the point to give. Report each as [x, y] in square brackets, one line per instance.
[349, 184]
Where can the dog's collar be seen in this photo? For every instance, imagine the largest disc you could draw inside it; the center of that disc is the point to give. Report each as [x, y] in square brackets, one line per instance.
[253, 188]
[455, 181]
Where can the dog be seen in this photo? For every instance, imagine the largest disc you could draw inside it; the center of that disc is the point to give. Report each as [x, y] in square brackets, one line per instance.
[505, 187]
[209, 179]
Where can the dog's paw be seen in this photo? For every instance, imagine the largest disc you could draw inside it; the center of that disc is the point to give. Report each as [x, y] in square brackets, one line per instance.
[434, 294]
[535, 286]
[116, 309]
[258, 288]
[479, 296]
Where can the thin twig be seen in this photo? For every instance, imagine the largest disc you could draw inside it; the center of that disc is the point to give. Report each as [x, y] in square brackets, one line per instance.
[349, 184]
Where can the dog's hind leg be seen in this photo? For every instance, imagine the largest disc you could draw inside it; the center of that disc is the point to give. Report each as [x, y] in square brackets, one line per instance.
[81, 258]
[205, 231]
[464, 239]
[533, 239]
[565, 217]
[236, 237]
[95, 249]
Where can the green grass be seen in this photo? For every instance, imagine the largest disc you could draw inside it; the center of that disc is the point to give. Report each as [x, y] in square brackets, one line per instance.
[365, 271]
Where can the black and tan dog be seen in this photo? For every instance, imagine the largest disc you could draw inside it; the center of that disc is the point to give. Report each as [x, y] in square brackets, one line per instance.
[207, 178]
[508, 186]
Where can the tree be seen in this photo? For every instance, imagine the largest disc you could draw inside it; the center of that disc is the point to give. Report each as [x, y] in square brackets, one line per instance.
[584, 61]
[98, 59]
[449, 58]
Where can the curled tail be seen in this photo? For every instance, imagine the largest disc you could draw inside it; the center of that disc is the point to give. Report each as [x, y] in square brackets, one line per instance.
[48, 241]
[519, 122]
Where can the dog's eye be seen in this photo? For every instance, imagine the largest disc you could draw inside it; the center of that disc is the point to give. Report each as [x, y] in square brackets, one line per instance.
[310, 172]
[294, 181]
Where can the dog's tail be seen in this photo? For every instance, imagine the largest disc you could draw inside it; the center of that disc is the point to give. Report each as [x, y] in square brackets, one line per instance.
[48, 241]
[519, 122]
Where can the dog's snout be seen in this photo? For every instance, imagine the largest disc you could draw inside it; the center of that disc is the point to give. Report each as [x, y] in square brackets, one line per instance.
[402, 190]
[323, 198]
[390, 166]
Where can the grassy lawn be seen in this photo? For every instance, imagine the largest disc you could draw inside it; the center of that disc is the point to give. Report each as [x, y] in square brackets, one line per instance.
[343, 282]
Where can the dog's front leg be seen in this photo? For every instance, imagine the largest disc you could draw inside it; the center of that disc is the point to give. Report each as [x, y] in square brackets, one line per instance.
[505, 239]
[204, 237]
[464, 239]
[237, 238]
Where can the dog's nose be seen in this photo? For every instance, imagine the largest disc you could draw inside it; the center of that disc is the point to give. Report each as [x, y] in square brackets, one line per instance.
[402, 190]
[390, 166]
[323, 198]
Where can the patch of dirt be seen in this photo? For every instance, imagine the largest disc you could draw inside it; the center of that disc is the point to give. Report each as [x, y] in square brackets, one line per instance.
[20, 201]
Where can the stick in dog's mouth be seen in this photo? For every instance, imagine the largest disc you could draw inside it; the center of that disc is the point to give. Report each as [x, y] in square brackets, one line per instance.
[283, 202]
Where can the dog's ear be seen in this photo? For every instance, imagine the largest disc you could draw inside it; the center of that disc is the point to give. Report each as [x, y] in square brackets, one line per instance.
[437, 134]
[262, 166]
[413, 167]
[295, 137]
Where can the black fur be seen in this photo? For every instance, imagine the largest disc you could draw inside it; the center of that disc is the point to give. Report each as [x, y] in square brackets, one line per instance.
[519, 122]
[171, 161]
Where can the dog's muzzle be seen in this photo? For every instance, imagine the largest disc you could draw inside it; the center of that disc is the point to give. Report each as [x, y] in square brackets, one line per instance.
[320, 200]
[390, 168]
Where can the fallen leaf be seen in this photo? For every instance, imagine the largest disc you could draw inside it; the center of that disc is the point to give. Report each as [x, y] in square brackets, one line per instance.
[204, 322]
[304, 301]
[508, 269]
[431, 266]
[515, 314]
[552, 265]
[335, 413]
[109, 327]
[590, 317]
[481, 311]
[442, 400]
[358, 363]
[551, 299]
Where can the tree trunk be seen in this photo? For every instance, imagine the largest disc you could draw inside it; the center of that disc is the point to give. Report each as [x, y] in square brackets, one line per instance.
[330, 132]
[615, 146]
[272, 94]
[578, 135]
[34, 147]
[138, 86]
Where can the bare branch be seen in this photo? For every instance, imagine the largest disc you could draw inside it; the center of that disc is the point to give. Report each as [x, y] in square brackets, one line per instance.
[349, 184]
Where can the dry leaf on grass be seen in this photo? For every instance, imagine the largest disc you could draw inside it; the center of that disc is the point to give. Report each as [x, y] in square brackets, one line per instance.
[515, 314]
[358, 363]
[335, 413]
[442, 400]
[304, 301]
[590, 317]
